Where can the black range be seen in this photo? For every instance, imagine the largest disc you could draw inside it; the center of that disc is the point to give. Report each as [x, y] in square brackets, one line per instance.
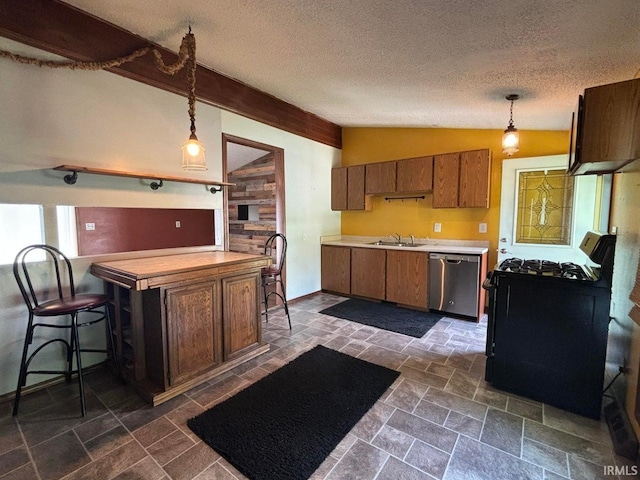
[548, 325]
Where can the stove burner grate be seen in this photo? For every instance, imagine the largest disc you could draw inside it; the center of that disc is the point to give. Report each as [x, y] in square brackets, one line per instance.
[544, 267]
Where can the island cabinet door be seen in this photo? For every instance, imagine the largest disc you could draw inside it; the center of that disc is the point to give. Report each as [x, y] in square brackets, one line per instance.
[241, 314]
[193, 330]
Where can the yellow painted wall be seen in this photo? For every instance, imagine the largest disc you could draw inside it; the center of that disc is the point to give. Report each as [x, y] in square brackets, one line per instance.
[370, 145]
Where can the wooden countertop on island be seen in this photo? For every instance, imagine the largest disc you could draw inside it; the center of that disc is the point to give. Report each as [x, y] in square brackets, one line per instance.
[153, 272]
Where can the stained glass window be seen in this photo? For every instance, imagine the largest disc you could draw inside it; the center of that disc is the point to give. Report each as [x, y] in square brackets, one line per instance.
[545, 207]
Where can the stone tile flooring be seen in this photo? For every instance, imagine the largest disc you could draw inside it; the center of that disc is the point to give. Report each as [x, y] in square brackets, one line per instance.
[439, 420]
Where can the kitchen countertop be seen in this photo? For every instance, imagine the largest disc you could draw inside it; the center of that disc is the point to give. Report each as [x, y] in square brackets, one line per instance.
[471, 247]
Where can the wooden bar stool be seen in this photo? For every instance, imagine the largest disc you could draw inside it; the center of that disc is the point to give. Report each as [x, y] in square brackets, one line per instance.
[34, 268]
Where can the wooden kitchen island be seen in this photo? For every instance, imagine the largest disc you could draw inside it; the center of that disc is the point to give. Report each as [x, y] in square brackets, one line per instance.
[180, 320]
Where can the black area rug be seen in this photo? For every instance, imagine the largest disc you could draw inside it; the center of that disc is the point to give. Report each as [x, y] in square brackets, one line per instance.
[284, 426]
[386, 316]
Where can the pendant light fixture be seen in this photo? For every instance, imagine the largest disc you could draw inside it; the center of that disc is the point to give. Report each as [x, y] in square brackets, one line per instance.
[511, 136]
[192, 150]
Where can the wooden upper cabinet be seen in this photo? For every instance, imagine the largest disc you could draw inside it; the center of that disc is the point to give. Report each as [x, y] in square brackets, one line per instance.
[610, 127]
[339, 186]
[347, 188]
[406, 278]
[381, 178]
[458, 179]
[462, 179]
[475, 170]
[414, 175]
[446, 178]
[356, 199]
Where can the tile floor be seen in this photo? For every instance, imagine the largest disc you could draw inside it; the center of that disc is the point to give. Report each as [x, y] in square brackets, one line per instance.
[439, 420]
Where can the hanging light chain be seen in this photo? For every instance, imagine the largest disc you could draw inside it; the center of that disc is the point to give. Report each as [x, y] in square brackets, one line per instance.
[76, 65]
[183, 55]
[511, 114]
[190, 41]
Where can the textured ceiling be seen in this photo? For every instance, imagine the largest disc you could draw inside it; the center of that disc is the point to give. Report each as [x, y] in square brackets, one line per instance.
[412, 63]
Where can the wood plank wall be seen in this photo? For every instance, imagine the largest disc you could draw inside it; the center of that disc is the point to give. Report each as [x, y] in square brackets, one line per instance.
[254, 185]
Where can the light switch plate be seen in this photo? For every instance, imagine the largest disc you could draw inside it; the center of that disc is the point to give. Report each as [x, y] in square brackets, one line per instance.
[482, 228]
[177, 223]
[89, 226]
[437, 227]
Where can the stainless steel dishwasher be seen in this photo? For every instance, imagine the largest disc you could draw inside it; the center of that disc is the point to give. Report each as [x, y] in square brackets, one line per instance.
[454, 283]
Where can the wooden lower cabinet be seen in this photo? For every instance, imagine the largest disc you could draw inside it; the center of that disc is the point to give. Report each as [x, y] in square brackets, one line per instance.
[368, 266]
[193, 330]
[240, 308]
[336, 269]
[406, 278]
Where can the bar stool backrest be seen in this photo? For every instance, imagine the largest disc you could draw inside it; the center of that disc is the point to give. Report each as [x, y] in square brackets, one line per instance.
[34, 277]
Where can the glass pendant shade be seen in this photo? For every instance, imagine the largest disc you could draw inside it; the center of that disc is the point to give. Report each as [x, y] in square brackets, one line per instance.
[510, 141]
[193, 154]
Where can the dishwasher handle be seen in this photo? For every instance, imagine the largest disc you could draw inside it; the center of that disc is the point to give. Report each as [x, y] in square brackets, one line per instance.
[453, 258]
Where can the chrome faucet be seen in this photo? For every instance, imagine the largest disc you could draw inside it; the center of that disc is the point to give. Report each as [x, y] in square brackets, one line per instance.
[413, 240]
[396, 236]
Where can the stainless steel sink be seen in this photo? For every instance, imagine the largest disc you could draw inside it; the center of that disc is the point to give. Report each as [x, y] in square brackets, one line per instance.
[394, 244]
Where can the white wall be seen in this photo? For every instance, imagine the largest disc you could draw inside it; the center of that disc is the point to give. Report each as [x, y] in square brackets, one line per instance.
[98, 119]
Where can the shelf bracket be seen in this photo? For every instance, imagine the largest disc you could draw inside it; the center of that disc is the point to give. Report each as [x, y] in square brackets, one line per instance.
[214, 190]
[71, 178]
[156, 185]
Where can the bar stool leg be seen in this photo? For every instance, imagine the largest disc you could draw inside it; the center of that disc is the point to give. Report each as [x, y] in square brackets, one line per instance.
[114, 355]
[266, 299]
[74, 332]
[71, 346]
[284, 302]
[23, 366]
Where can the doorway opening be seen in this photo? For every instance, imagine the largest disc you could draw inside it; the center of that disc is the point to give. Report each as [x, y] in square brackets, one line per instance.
[254, 207]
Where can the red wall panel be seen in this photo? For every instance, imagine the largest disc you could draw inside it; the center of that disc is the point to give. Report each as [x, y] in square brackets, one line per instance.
[133, 229]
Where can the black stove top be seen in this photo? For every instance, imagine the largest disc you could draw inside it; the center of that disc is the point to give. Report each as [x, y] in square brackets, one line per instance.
[545, 267]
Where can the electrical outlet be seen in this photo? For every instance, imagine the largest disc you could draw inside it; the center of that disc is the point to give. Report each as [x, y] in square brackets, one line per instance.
[177, 223]
[482, 228]
[89, 226]
[437, 227]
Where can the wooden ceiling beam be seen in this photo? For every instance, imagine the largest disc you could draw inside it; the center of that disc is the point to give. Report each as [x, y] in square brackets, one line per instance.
[56, 27]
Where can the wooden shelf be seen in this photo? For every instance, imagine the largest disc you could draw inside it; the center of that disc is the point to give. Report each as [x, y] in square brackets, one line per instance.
[157, 183]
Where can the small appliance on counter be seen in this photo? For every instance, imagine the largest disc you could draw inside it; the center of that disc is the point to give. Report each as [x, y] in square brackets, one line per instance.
[548, 325]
